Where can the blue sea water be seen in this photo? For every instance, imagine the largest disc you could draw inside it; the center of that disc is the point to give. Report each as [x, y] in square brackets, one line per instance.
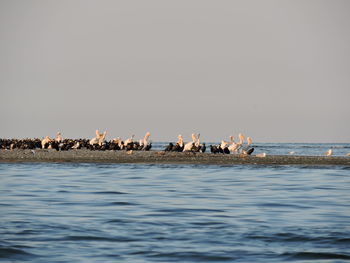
[173, 213]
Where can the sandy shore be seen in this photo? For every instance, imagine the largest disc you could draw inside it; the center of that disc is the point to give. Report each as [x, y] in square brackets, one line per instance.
[154, 157]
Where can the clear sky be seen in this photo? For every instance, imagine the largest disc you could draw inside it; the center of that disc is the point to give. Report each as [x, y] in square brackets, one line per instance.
[278, 71]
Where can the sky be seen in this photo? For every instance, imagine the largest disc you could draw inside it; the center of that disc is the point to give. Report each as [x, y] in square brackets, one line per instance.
[274, 70]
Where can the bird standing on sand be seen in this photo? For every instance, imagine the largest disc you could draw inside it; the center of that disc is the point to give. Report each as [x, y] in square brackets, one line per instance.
[329, 152]
[188, 146]
[58, 137]
[99, 139]
[129, 140]
[247, 150]
[261, 155]
[45, 141]
[144, 143]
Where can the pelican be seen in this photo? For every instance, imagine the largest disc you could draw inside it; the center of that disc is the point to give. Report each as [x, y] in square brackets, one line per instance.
[224, 144]
[241, 138]
[118, 142]
[248, 150]
[46, 140]
[180, 140]
[195, 142]
[145, 141]
[129, 140]
[329, 152]
[102, 138]
[58, 137]
[197, 146]
[261, 155]
[233, 148]
[194, 137]
[76, 145]
[249, 141]
[189, 145]
[99, 139]
[93, 141]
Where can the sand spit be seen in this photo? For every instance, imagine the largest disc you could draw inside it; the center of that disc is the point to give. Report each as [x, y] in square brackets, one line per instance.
[160, 157]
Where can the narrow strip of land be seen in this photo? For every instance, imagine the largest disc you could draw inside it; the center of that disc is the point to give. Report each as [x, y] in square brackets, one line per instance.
[160, 157]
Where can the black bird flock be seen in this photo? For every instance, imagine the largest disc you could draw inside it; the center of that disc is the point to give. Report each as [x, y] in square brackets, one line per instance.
[99, 143]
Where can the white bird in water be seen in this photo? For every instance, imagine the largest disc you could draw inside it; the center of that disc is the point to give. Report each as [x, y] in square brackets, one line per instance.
[329, 152]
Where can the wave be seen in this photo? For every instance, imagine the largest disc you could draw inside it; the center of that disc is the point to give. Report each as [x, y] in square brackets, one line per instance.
[297, 238]
[11, 252]
[99, 238]
[192, 256]
[314, 255]
[122, 203]
[109, 193]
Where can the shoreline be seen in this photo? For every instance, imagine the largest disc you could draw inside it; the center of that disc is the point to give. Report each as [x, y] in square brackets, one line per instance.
[161, 157]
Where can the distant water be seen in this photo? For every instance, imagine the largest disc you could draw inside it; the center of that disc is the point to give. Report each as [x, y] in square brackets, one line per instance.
[309, 149]
[173, 213]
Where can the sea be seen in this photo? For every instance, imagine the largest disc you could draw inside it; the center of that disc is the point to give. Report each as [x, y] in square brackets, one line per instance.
[85, 212]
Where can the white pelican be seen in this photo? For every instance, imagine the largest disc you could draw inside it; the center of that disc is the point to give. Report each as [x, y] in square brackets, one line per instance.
[189, 145]
[99, 139]
[249, 141]
[329, 152]
[224, 144]
[233, 147]
[95, 139]
[180, 140]
[198, 143]
[44, 141]
[261, 155]
[102, 138]
[247, 148]
[58, 137]
[76, 145]
[194, 137]
[145, 141]
[129, 140]
[118, 141]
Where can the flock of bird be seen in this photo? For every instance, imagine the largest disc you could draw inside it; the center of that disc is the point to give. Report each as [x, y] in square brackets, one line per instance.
[99, 142]
[243, 146]
[225, 147]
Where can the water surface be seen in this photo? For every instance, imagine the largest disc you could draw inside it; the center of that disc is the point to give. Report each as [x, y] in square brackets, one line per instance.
[173, 213]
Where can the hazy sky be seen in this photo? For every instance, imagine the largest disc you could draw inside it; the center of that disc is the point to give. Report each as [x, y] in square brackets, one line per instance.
[278, 71]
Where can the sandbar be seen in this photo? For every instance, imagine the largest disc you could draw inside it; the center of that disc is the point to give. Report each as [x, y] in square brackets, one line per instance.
[161, 157]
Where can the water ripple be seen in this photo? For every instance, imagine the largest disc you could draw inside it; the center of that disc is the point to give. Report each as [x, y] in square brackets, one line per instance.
[315, 256]
[171, 213]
